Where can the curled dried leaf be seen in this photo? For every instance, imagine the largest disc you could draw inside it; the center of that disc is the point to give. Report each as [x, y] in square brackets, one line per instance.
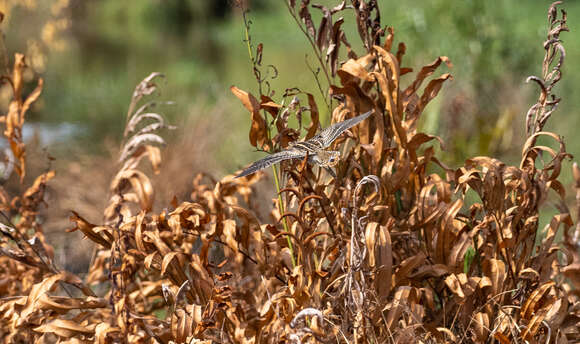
[314, 120]
[495, 269]
[146, 87]
[258, 131]
[304, 14]
[139, 182]
[65, 328]
[137, 141]
[533, 302]
[307, 312]
[90, 231]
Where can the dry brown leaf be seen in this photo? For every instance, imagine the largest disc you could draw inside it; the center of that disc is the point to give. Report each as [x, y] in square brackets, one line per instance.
[425, 72]
[60, 303]
[167, 260]
[481, 327]
[314, 120]
[88, 229]
[448, 231]
[229, 232]
[495, 269]
[140, 184]
[38, 184]
[455, 282]
[258, 131]
[533, 302]
[406, 266]
[425, 271]
[403, 299]
[304, 14]
[65, 328]
[537, 319]
[46, 285]
[380, 256]
[353, 68]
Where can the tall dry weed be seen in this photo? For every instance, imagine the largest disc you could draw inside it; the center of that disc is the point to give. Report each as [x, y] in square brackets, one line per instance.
[397, 248]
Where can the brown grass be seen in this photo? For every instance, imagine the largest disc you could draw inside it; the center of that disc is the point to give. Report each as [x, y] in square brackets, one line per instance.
[397, 248]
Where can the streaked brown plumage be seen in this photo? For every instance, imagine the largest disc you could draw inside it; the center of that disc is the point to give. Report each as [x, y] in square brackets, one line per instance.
[313, 148]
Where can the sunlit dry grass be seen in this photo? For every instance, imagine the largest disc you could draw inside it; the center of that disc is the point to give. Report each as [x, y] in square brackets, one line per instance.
[397, 248]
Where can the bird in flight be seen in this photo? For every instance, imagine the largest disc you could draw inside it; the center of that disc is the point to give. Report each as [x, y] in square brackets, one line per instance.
[313, 148]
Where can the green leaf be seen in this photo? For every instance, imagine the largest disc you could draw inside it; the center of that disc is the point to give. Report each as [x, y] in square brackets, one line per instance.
[468, 259]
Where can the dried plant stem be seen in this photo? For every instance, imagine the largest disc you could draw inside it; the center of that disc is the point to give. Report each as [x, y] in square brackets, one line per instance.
[547, 103]
[576, 175]
[314, 48]
[315, 73]
[248, 40]
[282, 211]
[328, 218]
[242, 252]
[501, 240]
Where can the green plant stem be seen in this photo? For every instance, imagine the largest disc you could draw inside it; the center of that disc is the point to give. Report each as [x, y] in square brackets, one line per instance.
[276, 180]
[284, 222]
[246, 31]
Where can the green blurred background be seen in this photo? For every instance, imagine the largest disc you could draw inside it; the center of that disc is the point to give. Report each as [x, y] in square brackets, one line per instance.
[93, 53]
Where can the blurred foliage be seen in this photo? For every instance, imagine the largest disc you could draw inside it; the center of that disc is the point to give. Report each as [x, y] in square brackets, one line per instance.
[95, 50]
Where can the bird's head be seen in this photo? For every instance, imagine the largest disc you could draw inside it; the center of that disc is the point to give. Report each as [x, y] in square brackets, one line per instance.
[328, 158]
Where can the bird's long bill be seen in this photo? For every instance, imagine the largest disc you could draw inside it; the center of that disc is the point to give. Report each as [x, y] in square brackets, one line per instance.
[330, 171]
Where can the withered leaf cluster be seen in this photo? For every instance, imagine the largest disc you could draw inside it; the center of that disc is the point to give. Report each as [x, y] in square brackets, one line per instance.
[397, 248]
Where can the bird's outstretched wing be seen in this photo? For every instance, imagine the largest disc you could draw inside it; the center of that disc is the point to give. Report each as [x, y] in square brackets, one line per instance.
[328, 135]
[272, 159]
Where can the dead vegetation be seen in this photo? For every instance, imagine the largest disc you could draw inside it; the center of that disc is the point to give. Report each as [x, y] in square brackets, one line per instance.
[397, 248]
